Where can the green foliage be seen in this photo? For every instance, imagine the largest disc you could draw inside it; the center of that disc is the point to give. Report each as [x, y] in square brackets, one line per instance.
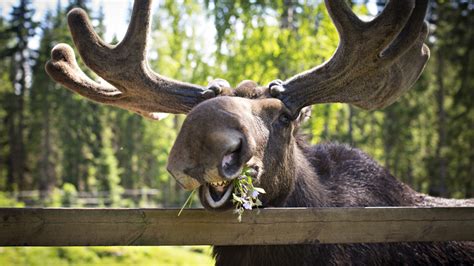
[6, 201]
[68, 149]
[15, 36]
[108, 171]
[245, 194]
[69, 197]
[76, 149]
[106, 256]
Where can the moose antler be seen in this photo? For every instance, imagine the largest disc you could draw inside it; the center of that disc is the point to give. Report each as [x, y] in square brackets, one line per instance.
[374, 64]
[132, 85]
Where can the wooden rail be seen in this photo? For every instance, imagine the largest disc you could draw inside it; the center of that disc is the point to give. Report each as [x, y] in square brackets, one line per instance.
[112, 227]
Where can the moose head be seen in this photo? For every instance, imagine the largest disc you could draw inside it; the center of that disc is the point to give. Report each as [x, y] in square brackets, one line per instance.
[252, 126]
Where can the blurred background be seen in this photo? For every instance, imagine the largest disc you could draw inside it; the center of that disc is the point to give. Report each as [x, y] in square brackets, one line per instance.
[59, 150]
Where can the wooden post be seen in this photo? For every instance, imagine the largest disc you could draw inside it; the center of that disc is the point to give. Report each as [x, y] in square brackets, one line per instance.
[121, 227]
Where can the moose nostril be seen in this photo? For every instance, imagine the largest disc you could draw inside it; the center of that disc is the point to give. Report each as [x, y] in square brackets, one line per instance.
[231, 162]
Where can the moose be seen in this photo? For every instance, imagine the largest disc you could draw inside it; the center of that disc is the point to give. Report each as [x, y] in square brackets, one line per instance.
[256, 127]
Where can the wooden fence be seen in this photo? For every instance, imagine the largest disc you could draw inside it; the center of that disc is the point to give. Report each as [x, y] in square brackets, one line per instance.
[147, 197]
[120, 227]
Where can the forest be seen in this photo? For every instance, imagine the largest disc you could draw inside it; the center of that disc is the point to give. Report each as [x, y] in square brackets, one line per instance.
[58, 149]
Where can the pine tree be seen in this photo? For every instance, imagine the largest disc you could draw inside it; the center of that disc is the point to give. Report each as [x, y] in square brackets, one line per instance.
[42, 147]
[21, 28]
[79, 127]
[5, 89]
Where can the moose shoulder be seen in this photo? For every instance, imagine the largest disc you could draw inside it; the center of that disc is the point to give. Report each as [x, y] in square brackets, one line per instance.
[254, 126]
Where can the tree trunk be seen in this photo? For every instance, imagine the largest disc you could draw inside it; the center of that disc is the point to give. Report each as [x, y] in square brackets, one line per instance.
[388, 138]
[9, 122]
[325, 133]
[287, 20]
[20, 144]
[440, 184]
[350, 122]
[47, 173]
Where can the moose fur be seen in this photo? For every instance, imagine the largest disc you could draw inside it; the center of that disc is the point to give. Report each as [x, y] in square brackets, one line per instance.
[336, 175]
[295, 174]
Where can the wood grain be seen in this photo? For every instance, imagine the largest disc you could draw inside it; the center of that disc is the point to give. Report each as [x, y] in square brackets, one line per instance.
[121, 227]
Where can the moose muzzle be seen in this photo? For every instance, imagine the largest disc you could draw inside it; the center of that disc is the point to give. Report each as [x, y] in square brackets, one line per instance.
[211, 148]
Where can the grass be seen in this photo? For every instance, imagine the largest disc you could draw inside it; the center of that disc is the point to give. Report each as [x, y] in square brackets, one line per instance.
[51, 256]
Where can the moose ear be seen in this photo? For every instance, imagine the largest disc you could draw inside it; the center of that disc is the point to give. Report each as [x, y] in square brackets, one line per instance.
[303, 116]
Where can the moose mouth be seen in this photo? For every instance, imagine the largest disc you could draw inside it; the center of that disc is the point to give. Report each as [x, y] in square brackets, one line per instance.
[217, 194]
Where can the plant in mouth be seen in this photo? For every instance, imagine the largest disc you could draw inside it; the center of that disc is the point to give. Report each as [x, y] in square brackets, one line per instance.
[188, 201]
[244, 196]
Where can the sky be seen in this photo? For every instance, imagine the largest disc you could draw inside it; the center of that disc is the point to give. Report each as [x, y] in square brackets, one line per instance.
[116, 13]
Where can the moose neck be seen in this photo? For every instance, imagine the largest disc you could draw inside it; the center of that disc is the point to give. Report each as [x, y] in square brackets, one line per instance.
[308, 191]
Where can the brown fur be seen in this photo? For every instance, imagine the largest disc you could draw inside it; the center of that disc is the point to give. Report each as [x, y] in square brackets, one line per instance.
[343, 176]
[297, 175]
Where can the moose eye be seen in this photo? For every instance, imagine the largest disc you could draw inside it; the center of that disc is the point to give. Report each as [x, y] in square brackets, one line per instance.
[284, 119]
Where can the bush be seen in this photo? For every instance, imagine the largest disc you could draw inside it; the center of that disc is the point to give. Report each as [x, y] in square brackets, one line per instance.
[5, 201]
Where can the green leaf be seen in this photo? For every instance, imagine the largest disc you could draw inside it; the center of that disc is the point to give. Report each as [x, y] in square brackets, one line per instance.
[188, 200]
[237, 198]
